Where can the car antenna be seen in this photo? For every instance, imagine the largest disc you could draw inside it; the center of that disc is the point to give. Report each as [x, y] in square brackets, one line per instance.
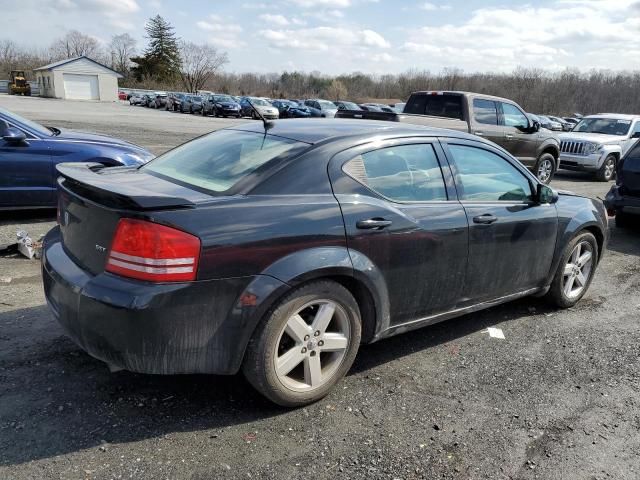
[267, 124]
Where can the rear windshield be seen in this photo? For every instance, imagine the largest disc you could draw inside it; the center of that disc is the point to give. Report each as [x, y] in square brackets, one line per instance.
[449, 106]
[216, 162]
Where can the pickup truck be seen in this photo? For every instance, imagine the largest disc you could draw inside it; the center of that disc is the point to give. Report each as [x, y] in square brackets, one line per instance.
[598, 142]
[497, 119]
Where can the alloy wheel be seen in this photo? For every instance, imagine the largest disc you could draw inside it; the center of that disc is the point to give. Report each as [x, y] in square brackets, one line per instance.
[577, 271]
[545, 169]
[312, 345]
[609, 168]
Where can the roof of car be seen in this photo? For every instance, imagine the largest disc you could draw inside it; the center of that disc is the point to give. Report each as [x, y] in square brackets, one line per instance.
[319, 129]
[620, 116]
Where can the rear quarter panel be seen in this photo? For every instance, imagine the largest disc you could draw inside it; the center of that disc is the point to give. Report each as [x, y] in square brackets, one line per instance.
[575, 215]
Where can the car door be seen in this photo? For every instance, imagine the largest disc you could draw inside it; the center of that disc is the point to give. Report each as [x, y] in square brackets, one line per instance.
[518, 143]
[401, 215]
[485, 121]
[511, 238]
[27, 178]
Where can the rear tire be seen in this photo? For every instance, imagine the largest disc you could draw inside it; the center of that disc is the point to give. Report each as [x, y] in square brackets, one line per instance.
[545, 168]
[607, 171]
[305, 344]
[575, 271]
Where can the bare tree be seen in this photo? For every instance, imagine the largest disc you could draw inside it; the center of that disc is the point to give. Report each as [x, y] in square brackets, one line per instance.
[336, 90]
[199, 64]
[75, 44]
[122, 48]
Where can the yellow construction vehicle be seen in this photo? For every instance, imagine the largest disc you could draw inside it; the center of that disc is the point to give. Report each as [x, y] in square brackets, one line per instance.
[18, 84]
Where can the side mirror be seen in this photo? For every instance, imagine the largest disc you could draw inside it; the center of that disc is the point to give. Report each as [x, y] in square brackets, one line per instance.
[545, 194]
[14, 136]
[635, 135]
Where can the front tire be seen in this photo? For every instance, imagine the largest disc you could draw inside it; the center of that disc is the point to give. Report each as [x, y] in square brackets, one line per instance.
[575, 271]
[545, 168]
[607, 171]
[305, 344]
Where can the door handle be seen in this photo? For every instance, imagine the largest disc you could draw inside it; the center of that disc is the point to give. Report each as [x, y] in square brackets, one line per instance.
[373, 223]
[486, 219]
[478, 133]
[508, 136]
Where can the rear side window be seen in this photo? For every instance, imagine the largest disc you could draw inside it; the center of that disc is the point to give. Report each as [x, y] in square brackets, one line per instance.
[448, 106]
[485, 111]
[405, 173]
[484, 176]
[216, 162]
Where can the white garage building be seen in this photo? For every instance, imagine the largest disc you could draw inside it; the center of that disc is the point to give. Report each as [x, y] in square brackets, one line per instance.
[78, 79]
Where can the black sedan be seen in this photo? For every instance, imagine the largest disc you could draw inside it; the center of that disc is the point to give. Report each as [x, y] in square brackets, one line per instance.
[278, 249]
[291, 109]
[220, 106]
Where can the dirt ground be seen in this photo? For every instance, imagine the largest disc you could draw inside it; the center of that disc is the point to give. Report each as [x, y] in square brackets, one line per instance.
[558, 398]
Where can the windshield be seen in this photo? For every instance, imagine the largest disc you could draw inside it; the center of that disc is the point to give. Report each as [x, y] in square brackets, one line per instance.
[196, 99]
[223, 98]
[326, 105]
[351, 106]
[259, 102]
[606, 126]
[17, 119]
[216, 162]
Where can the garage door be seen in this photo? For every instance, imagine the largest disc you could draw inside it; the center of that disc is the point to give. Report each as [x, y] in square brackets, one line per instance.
[81, 87]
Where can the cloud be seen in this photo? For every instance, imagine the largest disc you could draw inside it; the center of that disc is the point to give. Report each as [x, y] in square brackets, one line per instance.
[117, 13]
[323, 38]
[275, 19]
[582, 33]
[224, 34]
[321, 3]
[431, 7]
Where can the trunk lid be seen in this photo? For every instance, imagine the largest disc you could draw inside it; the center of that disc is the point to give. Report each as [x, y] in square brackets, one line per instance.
[92, 199]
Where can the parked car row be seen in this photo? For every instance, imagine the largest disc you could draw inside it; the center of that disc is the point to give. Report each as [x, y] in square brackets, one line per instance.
[223, 105]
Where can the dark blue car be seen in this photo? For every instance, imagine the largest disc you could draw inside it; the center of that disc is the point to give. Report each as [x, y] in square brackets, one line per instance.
[29, 153]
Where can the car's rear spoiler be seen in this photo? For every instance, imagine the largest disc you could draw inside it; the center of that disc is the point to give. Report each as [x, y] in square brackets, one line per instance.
[86, 180]
[367, 115]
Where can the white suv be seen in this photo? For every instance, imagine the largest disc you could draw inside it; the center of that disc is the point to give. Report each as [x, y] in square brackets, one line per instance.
[598, 142]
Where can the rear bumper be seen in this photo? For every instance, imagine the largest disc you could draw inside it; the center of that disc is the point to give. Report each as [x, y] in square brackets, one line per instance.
[621, 203]
[196, 327]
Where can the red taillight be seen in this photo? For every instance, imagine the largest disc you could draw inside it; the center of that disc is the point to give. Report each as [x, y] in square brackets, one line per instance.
[153, 252]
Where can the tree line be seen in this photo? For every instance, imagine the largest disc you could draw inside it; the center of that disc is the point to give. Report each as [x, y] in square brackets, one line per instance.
[170, 63]
[167, 62]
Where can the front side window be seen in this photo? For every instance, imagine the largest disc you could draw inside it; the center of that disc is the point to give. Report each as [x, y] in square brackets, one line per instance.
[216, 162]
[484, 111]
[483, 176]
[405, 173]
[513, 116]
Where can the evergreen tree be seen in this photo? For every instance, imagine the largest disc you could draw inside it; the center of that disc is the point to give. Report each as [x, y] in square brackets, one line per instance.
[161, 59]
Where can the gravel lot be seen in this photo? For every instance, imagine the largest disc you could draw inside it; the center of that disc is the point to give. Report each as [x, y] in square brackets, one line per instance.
[559, 398]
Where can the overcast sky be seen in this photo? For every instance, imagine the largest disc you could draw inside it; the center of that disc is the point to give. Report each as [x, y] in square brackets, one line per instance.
[378, 36]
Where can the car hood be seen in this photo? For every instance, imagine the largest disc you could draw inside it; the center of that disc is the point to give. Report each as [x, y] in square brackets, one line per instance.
[591, 137]
[94, 138]
[262, 108]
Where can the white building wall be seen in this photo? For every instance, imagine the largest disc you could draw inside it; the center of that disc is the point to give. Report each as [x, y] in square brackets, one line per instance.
[54, 87]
